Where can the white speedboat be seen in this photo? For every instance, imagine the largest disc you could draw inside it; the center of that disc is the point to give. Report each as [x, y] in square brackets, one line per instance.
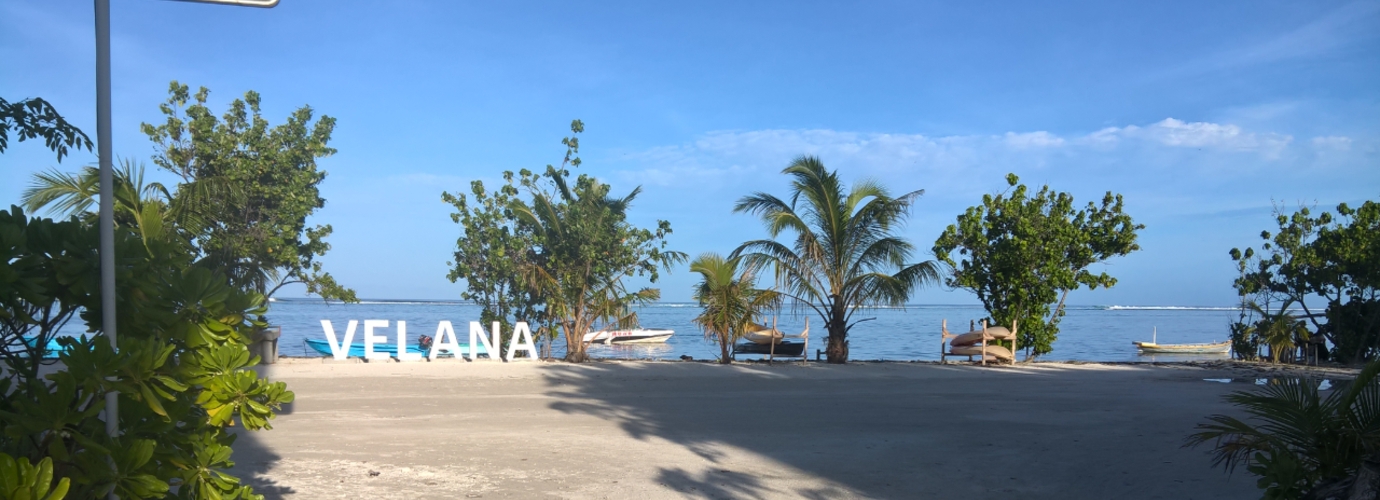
[632, 336]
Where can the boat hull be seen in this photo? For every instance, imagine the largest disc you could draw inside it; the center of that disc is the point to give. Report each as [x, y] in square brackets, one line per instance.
[1153, 348]
[784, 349]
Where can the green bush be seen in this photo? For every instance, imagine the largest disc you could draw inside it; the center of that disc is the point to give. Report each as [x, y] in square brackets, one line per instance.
[181, 373]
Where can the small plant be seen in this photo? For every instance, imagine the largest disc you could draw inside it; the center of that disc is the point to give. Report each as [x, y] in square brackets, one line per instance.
[1297, 439]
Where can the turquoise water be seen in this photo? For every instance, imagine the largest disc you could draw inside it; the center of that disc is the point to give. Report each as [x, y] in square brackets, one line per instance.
[1087, 333]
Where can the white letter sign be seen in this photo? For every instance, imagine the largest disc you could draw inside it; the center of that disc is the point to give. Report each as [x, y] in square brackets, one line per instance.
[403, 353]
[522, 339]
[444, 330]
[339, 350]
[370, 339]
[477, 333]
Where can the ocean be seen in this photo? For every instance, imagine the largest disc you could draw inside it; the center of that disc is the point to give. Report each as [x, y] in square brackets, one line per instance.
[1087, 333]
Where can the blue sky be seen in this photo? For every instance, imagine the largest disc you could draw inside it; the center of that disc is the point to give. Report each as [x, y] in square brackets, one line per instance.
[1202, 114]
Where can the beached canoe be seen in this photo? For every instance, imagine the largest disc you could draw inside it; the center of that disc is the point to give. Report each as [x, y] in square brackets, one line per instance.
[975, 337]
[993, 351]
[765, 335]
[1211, 348]
[357, 350]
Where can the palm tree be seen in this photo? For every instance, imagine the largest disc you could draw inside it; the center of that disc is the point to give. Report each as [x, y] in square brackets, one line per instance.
[586, 249]
[845, 255]
[1297, 439]
[732, 304]
[1278, 330]
[144, 207]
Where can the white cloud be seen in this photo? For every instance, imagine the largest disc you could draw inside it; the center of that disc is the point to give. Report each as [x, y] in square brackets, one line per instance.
[1333, 142]
[1039, 139]
[725, 157]
[1178, 133]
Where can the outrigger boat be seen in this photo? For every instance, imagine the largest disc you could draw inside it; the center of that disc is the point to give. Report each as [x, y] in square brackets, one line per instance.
[357, 350]
[632, 336]
[1153, 347]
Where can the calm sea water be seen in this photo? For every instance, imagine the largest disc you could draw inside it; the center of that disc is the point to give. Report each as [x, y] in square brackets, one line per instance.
[1087, 333]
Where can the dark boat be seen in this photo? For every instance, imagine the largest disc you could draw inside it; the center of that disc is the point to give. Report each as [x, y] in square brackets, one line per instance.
[785, 349]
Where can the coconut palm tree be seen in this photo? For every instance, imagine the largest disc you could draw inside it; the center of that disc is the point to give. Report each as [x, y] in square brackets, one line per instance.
[139, 205]
[844, 255]
[1278, 330]
[732, 303]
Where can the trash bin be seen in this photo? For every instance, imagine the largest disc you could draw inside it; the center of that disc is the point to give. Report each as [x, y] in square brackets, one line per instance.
[265, 344]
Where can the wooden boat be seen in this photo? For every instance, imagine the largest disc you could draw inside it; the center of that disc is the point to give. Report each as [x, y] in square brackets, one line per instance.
[767, 335]
[764, 335]
[357, 350]
[783, 349]
[769, 341]
[1153, 347]
[632, 336]
[1210, 348]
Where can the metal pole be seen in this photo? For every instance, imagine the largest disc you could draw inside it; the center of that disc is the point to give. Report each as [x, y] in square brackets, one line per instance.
[107, 219]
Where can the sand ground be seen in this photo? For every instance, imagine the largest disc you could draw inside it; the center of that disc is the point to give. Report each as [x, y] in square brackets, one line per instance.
[694, 430]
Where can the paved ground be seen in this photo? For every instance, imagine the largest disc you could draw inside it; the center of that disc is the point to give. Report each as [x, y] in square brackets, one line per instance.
[692, 430]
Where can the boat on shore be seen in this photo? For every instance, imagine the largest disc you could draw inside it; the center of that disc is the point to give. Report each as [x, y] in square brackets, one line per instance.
[629, 336]
[357, 350]
[1153, 347]
[1209, 348]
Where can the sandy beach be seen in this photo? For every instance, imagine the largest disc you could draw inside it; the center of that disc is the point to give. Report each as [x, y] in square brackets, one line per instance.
[695, 430]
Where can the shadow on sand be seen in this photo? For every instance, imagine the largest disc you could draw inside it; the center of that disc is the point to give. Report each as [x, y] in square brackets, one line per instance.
[894, 430]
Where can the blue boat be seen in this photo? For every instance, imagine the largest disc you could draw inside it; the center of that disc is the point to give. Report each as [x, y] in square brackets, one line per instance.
[357, 350]
[50, 351]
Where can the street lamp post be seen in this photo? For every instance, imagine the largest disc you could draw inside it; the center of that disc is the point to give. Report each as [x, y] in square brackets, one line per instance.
[107, 214]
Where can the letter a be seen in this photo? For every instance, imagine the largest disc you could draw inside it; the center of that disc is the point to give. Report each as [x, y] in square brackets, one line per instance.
[444, 330]
[339, 350]
[522, 339]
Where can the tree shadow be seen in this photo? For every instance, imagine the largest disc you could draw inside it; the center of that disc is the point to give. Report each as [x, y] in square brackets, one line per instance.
[253, 458]
[253, 461]
[895, 430]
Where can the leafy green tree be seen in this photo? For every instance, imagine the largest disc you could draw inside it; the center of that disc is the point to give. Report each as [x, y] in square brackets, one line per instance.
[1022, 254]
[731, 300]
[1333, 258]
[33, 118]
[844, 255]
[248, 188]
[491, 257]
[182, 372]
[540, 250]
[1300, 442]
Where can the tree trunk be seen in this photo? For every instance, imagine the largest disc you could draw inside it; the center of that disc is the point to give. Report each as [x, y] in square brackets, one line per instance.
[836, 352]
[724, 343]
